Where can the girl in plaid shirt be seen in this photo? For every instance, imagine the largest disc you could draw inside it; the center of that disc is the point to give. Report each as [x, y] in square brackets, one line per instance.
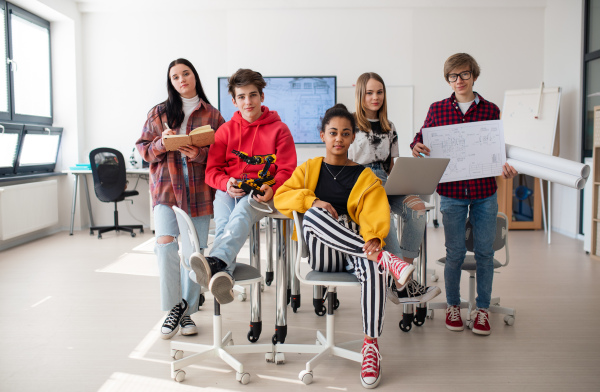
[177, 179]
[476, 197]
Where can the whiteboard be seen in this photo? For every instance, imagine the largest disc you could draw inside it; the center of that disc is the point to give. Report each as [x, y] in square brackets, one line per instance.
[400, 111]
[522, 129]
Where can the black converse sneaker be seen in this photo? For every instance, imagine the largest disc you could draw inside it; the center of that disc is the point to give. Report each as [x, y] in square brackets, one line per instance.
[188, 327]
[171, 324]
[414, 293]
[221, 286]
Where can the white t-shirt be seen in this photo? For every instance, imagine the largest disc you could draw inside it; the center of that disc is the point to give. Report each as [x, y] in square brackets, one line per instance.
[374, 146]
[464, 106]
[189, 104]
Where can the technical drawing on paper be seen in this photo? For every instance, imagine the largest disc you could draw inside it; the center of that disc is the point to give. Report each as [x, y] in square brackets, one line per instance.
[476, 149]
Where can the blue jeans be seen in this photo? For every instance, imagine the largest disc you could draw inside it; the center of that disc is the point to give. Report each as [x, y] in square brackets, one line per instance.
[234, 219]
[414, 222]
[175, 282]
[482, 214]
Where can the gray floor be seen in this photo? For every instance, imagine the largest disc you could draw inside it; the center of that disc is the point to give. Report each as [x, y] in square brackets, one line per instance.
[81, 314]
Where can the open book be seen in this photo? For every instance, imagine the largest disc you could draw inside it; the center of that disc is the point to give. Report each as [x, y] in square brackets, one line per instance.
[199, 137]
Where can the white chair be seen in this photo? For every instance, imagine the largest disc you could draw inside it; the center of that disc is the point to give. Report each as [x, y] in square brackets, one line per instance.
[325, 345]
[470, 266]
[222, 347]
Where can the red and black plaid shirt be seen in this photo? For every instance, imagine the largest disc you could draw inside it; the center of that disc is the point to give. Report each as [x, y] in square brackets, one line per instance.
[447, 112]
[167, 181]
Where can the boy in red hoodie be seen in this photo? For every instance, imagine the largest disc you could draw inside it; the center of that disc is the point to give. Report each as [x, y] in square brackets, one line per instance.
[253, 130]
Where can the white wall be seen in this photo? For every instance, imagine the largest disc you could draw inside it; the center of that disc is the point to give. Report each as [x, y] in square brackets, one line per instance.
[126, 48]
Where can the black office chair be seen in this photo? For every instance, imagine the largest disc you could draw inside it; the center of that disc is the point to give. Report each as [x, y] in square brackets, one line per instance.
[108, 170]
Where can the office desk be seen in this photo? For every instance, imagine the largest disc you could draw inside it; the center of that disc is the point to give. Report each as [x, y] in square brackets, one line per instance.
[76, 174]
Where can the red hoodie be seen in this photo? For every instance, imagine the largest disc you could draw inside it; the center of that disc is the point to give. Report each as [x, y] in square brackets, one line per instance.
[267, 135]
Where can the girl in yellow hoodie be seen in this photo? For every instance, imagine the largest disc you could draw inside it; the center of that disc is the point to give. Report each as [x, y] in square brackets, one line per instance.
[346, 218]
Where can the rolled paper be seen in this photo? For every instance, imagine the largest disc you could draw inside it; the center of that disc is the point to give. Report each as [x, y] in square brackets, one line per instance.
[562, 165]
[547, 174]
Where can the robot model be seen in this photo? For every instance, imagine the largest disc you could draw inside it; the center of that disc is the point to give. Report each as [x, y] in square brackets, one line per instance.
[264, 177]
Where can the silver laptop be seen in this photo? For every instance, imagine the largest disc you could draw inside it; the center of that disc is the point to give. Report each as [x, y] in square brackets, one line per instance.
[415, 176]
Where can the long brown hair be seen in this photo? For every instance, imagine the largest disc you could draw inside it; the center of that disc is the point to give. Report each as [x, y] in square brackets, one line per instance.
[174, 103]
[361, 117]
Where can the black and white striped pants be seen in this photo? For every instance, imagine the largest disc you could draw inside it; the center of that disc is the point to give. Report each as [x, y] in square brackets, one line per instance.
[336, 246]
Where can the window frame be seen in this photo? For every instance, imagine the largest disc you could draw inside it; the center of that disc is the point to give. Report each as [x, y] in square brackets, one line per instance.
[11, 116]
[37, 130]
[12, 128]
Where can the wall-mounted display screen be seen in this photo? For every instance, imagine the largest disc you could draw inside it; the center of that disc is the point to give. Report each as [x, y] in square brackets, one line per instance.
[300, 101]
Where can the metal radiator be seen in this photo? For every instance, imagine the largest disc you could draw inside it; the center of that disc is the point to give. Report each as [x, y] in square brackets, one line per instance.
[26, 208]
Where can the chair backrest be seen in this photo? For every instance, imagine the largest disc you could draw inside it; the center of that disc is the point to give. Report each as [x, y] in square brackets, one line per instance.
[500, 241]
[110, 175]
[188, 234]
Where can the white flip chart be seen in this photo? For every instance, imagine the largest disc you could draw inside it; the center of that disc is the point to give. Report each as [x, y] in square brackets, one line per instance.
[475, 149]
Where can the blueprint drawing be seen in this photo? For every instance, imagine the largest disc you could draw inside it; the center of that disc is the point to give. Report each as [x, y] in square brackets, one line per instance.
[301, 102]
[476, 149]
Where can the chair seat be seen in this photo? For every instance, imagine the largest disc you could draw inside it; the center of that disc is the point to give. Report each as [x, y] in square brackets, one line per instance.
[334, 277]
[277, 215]
[244, 272]
[470, 264]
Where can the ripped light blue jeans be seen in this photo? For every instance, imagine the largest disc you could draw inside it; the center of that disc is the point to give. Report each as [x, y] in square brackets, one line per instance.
[414, 222]
[175, 282]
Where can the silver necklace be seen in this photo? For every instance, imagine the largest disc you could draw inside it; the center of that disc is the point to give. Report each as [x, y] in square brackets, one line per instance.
[336, 176]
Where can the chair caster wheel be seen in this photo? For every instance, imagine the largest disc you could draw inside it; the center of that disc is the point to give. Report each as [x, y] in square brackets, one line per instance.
[469, 324]
[320, 311]
[176, 354]
[279, 359]
[243, 378]
[252, 338]
[241, 297]
[142, 231]
[306, 377]
[133, 234]
[269, 358]
[509, 320]
[434, 278]
[404, 328]
[337, 304]
[430, 314]
[99, 236]
[179, 375]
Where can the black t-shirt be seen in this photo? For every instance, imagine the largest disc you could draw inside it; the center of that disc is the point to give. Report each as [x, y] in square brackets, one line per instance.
[337, 192]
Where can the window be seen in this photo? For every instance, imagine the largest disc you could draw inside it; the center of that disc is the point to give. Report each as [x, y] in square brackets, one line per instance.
[28, 142]
[591, 72]
[25, 73]
[591, 82]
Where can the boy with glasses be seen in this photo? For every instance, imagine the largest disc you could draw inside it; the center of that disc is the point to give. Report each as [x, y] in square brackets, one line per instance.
[476, 197]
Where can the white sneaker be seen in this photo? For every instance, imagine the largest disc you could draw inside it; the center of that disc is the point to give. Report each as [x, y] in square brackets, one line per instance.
[221, 286]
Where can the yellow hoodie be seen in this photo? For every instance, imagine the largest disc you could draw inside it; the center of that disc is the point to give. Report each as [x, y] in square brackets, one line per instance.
[367, 205]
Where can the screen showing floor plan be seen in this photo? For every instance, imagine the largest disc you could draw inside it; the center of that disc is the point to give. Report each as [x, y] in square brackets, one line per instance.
[300, 101]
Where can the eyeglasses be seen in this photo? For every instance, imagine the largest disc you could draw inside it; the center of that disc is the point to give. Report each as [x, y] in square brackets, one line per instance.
[463, 75]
